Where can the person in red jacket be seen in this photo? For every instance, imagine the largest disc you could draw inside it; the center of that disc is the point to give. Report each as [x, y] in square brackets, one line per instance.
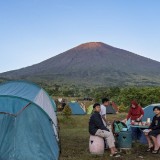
[135, 113]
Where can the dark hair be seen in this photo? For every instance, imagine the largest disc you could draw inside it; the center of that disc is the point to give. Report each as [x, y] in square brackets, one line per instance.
[105, 100]
[156, 107]
[96, 104]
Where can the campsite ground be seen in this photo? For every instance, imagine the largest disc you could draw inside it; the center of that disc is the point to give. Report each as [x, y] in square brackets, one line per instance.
[74, 141]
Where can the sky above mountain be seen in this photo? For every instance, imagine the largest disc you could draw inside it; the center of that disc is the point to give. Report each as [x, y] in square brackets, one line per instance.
[34, 30]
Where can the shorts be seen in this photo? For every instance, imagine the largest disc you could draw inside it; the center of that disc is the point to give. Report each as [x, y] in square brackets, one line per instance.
[154, 133]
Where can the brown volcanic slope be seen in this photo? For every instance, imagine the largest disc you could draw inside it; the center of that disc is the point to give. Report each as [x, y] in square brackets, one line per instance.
[93, 63]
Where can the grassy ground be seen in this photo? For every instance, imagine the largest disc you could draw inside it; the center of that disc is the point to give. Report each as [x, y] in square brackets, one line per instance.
[75, 138]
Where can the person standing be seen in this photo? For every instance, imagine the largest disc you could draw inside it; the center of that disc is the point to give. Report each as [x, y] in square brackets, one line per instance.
[96, 127]
[105, 103]
[103, 113]
[63, 104]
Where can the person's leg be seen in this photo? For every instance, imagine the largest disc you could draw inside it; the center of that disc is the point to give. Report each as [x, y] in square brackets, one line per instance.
[110, 129]
[109, 138]
[156, 146]
[148, 140]
[134, 133]
[153, 134]
[139, 133]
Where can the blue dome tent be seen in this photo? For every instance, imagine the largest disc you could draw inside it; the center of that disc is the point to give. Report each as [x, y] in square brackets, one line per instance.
[148, 111]
[28, 123]
[76, 108]
[53, 104]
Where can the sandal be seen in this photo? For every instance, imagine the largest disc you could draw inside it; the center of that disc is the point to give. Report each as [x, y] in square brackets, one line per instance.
[117, 152]
[115, 155]
[155, 151]
[149, 149]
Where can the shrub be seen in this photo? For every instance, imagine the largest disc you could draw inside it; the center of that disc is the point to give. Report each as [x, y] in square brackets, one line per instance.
[67, 111]
[122, 108]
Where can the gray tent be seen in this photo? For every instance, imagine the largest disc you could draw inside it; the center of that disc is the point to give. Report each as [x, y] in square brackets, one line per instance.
[110, 110]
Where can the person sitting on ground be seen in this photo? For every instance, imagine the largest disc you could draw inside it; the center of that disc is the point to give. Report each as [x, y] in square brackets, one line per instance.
[96, 127]
[153, 132]
[135, 114]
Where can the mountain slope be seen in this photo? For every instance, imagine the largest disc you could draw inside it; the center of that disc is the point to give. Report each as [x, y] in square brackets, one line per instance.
[93, 63]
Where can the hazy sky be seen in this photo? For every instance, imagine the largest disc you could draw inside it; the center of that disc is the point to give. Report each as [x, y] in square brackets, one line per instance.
[34, 30]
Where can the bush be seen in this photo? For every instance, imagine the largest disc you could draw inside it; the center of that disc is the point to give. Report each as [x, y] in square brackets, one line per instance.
[122, 108]
[67, 111]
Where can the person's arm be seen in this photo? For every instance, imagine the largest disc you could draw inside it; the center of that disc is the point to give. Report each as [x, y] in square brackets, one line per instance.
[129, 114]
[103, 114]
[142, 113]
[104, 118]
[99, 123]
[128, 117]
[156, 126]
[152, 124]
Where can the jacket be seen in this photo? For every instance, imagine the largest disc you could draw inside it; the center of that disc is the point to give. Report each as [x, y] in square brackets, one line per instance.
[135, 113]
[155, 123]
[96, 123]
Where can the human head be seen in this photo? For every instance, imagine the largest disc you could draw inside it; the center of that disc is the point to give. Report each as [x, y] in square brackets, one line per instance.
[97, 107]
[134, 104]
[156, 110]
[105, 101]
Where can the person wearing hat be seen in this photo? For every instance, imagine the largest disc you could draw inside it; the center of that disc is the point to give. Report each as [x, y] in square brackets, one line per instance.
[96, 127]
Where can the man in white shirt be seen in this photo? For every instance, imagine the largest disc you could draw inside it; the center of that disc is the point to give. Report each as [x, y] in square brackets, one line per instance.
[105, 103]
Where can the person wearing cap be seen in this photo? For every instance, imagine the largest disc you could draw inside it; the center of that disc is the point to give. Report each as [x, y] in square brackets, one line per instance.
[96, 127]
[135, 114]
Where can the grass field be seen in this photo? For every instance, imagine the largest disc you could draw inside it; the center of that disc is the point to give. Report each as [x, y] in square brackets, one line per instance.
[75, 138]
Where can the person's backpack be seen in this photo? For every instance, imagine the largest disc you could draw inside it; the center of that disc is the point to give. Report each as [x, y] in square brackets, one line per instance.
[118, 126]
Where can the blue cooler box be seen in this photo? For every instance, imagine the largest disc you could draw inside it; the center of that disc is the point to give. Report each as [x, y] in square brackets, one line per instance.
[124, 140]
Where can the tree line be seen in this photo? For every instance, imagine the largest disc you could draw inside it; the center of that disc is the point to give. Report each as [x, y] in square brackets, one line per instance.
[120, 95]
[143, 95]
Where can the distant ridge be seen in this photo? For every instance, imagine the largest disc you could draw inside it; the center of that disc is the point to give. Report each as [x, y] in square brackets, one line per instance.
[93, 63]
